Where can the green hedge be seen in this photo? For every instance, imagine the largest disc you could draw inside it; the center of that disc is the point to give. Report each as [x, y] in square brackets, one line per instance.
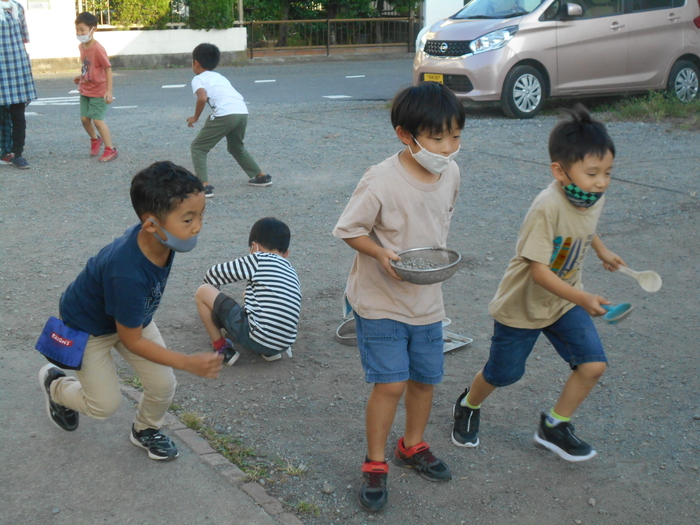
[211, 14]
[150, 13]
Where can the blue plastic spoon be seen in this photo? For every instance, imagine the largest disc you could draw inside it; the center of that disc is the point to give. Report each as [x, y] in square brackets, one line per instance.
[618, 312]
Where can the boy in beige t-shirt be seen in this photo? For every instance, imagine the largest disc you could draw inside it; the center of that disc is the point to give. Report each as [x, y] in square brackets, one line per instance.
[402, 203]
[541, 290]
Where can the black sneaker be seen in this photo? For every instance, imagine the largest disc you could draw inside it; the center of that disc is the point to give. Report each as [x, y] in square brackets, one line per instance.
[230, 354]
[562, 441]
[420, 458]
[465, 431]
[208, 191]
[260, 182]
[373, 495]
[158, 445]
[62, 417]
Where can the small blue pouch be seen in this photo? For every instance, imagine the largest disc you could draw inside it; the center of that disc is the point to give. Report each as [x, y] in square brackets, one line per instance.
[61, 345]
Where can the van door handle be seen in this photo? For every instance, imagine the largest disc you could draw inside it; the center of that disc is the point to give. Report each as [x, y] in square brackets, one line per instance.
[615, 26]
[673, 16]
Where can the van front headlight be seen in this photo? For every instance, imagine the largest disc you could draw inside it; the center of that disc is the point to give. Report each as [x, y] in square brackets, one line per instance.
[494, 40]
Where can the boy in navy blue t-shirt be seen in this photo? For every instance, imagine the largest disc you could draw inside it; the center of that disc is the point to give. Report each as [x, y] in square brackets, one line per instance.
[114, 298]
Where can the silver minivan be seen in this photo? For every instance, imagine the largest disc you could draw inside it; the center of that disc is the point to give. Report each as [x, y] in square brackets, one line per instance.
[520, 52]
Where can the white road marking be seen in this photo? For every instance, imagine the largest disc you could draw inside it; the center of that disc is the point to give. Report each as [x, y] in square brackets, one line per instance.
[57, 101]
[173, 86]
[123, 107]
[264, 81]
[354, 76]
[30, 113]
[73, 91]
[337, 96]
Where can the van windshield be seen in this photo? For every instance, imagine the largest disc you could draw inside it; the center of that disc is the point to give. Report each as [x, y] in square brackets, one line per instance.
[497, 9]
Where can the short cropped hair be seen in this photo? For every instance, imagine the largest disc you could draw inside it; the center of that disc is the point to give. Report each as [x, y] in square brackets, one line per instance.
[271, 234]
[577, 136]
[161, 187]
[429, 107]
[86, 18]
[208, 56]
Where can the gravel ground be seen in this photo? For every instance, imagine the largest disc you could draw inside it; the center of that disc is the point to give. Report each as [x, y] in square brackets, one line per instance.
[643, 418]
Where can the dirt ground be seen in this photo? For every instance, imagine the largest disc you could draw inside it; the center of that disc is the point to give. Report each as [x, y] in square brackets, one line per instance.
[643, 418]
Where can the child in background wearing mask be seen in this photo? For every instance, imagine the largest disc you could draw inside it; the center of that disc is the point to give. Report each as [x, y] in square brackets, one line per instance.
[114, 299]
[402, 203]
[266, 324]
[95, 86]
[541, 291]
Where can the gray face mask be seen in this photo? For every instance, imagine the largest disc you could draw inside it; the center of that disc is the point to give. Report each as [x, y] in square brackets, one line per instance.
[174, 243]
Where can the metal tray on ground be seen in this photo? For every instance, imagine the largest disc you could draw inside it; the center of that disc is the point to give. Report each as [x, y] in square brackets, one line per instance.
[454, 341]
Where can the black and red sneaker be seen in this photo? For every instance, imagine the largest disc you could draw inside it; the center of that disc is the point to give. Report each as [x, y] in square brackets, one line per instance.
[420, 458]
[373, 495]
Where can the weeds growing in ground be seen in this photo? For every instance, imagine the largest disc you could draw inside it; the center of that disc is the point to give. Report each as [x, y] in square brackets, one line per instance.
[291, 468]
[192, 420]
[308, 507]
[133, 381]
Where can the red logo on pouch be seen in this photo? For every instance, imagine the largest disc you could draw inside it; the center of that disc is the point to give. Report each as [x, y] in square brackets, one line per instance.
[60, 340]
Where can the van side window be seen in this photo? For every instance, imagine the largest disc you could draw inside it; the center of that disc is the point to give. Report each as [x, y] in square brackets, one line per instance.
[552, 11]
[649, 5]
[601, 8]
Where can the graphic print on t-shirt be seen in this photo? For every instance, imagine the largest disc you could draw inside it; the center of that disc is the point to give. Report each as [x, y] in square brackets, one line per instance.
[566, 256]
[85, 70]
[153, 299]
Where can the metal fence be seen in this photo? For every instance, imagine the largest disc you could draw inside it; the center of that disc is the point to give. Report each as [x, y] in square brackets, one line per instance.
[331, 33]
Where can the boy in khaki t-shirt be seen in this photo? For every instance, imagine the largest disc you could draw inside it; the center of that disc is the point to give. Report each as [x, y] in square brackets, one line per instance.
[541, 290]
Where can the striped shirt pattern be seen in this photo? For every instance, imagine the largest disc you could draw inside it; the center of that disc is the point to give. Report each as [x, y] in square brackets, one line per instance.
[16, 80]
[272, 296]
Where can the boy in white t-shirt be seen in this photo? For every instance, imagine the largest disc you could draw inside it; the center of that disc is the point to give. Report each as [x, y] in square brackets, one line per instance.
[229, 119]
[541, 291]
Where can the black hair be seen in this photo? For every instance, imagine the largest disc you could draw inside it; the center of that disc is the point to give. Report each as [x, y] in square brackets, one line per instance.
[271, 234]
[428, 107]
[161, 187]
[577, 136]
[208, 56]
[86, 18]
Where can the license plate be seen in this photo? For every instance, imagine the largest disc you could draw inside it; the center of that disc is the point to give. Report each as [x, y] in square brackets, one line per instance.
[433, 77]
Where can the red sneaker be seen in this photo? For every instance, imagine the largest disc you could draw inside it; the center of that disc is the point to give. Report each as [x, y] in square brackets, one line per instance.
[95, 146]
[109, 154]
[7, 158]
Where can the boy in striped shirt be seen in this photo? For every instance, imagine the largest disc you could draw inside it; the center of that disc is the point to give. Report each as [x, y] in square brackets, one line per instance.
[266, 323]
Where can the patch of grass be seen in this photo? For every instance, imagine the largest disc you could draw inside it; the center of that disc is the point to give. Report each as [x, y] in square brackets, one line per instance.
[291, 468]
[133, 381]
[654, 106]
[192, 420]
[237, 453]
[175, 408]
[308, 507]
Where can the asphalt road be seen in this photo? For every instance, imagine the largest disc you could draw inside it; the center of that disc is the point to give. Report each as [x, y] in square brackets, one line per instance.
[259, 84]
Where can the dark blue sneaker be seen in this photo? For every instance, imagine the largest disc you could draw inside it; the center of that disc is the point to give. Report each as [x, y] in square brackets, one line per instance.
[562, 441]
[21, 163]
[61, 416]
[158, 445]
[230, 354]
[465, 430]
[373, 495]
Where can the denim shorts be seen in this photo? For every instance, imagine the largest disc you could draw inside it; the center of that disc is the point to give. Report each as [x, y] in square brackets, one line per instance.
[393, 352]
[229, 315]
[94, 108]
[573, 335]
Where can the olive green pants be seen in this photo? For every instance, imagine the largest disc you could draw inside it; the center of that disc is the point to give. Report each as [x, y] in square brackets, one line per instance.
[233, 128]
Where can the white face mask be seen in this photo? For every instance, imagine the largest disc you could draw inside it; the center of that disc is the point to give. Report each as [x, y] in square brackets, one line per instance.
[432, 162]
[84, 39]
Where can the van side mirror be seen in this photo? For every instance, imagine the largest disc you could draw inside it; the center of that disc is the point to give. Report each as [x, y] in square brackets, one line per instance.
[573, 10]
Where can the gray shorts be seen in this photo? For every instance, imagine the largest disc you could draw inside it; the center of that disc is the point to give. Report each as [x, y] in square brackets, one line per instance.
[230, 316]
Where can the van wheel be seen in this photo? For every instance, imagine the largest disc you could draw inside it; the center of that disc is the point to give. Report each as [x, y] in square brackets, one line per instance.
[683, 81]
[523, 92]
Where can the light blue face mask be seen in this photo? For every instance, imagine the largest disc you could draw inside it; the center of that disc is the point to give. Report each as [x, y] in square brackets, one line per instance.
[175, 243]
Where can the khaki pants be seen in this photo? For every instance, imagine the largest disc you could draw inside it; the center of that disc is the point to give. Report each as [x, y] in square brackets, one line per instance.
[233, 128]
[96, 393]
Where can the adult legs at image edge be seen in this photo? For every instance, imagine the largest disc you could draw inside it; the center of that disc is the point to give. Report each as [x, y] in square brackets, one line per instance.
[233, 128]
[96, 393]
[5, 135]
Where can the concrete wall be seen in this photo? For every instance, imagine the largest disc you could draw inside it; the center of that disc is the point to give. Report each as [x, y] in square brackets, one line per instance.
[53, 45]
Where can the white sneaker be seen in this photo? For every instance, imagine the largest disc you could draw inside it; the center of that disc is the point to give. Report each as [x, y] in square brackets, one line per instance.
[275, 357]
